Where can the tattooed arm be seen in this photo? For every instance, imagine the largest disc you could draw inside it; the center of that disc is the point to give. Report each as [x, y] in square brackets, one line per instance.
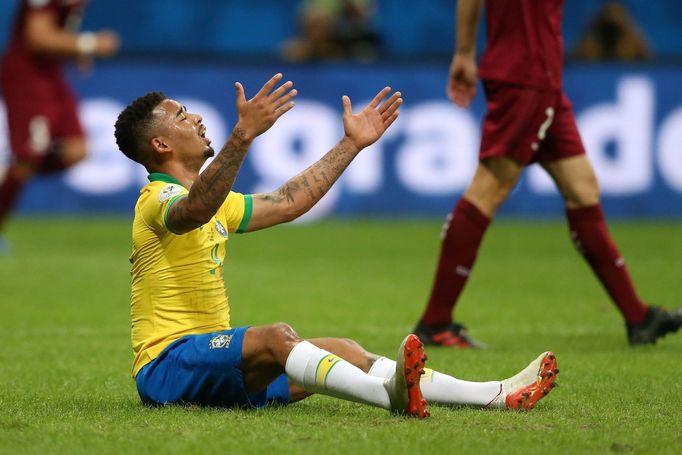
[210, 189]
[302, 192]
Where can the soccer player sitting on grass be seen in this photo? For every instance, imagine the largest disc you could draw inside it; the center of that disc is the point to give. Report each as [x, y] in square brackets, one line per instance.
[185, 350]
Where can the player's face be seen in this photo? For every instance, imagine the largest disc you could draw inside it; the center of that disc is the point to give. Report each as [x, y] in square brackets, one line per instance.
[185, 133]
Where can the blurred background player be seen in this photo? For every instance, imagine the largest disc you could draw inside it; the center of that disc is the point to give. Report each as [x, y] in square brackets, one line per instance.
[528, 119]
[42, 112]
[334, 29]
[613, 35]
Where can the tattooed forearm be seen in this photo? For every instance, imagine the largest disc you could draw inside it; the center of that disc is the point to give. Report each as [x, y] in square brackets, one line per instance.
[217, 180]
[288, 190]
[209, 191]
[302, 192]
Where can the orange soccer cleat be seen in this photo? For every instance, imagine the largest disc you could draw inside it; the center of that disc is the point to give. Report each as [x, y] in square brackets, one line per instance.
[524, 390]
[403, 387]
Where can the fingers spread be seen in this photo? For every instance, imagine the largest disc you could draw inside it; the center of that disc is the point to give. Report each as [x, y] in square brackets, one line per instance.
[285, 108]
[379, 96]
[281, 89]
[269, 85]
[285, 99]
[389, 102]
[392, 108]
[389, 121]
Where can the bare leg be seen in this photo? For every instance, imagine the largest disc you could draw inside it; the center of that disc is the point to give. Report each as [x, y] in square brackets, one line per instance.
[18, 174]
[264, 354]
[69, 152]
[576, 180]
[493, 181]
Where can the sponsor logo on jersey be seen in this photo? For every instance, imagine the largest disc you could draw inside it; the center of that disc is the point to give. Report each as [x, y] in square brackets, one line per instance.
[220, 341]
[169, 191]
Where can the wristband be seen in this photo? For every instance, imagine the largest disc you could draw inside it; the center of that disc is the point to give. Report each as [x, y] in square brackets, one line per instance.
[86, 43]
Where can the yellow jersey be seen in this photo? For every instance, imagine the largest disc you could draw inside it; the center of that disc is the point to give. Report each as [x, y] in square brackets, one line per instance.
[177, 280]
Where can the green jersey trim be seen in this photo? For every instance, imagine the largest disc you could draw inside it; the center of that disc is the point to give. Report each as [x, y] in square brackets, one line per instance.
[160, 177]
[168, 206]
[248, 207]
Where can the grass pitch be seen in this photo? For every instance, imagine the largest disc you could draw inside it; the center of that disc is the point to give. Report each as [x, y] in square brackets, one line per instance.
[66, 356]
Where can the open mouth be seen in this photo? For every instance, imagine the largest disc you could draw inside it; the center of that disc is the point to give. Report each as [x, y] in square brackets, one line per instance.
[202, 134]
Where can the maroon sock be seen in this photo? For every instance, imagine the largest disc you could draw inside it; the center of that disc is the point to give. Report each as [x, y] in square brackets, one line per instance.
[462, 235]
[10, 189]
[592, 239]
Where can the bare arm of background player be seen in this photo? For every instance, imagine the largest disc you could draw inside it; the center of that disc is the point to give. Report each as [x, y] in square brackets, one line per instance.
[462, 77]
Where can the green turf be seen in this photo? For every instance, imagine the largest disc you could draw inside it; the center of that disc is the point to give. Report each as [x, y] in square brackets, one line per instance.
[65, 357]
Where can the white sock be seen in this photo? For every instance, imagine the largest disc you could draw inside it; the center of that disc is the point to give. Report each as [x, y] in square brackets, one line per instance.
[319, 371]
[443, 389]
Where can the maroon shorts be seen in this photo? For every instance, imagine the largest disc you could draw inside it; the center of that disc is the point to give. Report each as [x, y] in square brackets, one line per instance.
[39, 112]
[528, 125]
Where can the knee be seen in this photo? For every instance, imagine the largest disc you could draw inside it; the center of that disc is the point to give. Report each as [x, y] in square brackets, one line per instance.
[74, 154]
[500, 193]
[282, 335]
[493, 181]
[490, 198]
[272, 342]
[79, 155]
[583, 193]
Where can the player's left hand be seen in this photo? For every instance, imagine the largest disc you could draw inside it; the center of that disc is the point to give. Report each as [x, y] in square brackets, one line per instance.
[367, 126]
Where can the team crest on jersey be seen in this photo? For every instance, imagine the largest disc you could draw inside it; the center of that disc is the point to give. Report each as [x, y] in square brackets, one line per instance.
[220, 341]
[168, 192]
[220, 228]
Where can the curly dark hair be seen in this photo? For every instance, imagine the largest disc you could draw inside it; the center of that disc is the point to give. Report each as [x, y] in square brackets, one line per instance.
[132, 128]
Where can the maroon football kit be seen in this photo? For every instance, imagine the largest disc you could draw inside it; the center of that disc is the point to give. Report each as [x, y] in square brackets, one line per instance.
[528, 117]
[41, 107]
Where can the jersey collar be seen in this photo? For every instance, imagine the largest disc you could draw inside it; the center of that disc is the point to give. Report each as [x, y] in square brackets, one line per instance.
[160, 177]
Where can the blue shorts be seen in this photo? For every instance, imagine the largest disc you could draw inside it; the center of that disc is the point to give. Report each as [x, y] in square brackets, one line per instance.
[205, 370]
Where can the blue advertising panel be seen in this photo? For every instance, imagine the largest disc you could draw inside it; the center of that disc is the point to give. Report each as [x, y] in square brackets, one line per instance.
[630, 119]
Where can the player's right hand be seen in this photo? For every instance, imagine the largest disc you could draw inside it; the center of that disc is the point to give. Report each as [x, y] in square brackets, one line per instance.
[107, 43]
[259, 113]
[461, 88]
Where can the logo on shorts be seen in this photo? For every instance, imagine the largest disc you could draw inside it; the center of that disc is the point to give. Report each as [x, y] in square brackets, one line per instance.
[168, 192]
[220, 341]
[220, 228]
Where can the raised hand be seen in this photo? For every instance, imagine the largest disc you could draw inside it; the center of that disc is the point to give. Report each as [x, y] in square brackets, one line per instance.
[258, 114]
[367, 126]
[461, 88]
